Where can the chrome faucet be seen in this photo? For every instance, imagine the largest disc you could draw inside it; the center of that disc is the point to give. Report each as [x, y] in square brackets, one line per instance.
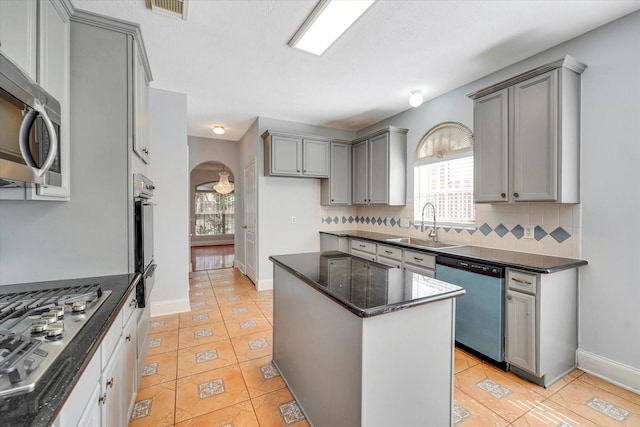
[434, 232]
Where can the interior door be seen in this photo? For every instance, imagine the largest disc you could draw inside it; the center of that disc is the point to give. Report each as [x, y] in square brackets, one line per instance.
[250, 225]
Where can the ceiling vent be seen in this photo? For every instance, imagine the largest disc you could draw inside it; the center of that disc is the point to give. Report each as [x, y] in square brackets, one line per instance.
[173, 8]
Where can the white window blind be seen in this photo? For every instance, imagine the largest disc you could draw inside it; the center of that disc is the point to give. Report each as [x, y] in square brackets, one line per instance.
[448, 184]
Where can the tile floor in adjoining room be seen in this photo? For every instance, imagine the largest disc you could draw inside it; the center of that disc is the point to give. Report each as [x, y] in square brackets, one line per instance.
[212, 367]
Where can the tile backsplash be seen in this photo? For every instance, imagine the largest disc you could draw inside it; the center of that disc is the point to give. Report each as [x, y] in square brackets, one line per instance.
[556, 226]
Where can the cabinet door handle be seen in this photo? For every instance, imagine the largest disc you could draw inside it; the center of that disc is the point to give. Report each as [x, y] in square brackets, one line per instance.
[133, 303]
[516, 195]
[521, 281]
[128, 337]
[503, 195]
[110, 383]
[509, 297]
[103, 399]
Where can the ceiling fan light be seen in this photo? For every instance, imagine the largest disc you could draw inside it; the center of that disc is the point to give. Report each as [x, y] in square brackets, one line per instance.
[416, 99]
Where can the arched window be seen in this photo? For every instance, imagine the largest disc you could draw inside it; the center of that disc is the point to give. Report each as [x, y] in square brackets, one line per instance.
[443, 175]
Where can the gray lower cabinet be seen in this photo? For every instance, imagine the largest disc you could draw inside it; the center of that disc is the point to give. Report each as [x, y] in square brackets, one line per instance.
[541, 324]
[527, 136]
[296, 156]
[337, 189]
[105, 393]
[330, 242]
[379, 168]
[419, 262]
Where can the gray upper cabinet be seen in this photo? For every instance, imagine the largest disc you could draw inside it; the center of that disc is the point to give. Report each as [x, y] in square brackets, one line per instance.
[380, 167]
[35, 34]
[295, 155]
[337, 189]
[527, 136]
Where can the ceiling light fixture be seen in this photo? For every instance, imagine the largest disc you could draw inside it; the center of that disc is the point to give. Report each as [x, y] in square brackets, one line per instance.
[326, 23]
[219, 130]
[416, 99]
[223, 186]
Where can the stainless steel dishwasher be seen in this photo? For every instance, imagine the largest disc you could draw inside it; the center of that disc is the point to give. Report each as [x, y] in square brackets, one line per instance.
[480, 312]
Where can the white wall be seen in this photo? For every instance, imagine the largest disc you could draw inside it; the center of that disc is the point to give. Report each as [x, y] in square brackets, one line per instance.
[169, 171]
[609, 292]
[280, 198]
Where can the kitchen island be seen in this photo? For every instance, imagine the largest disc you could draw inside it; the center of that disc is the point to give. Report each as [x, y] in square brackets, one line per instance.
[362, 344]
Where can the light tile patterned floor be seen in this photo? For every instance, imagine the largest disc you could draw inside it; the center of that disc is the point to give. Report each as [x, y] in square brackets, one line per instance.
[212, 367]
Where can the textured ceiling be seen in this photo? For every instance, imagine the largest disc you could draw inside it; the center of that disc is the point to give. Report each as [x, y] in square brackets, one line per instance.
[232, 60]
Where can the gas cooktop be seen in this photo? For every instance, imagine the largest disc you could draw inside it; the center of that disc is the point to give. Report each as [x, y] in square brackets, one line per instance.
[36, 326]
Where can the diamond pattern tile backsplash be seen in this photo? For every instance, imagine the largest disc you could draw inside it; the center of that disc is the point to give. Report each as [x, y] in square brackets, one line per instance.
[555, 227]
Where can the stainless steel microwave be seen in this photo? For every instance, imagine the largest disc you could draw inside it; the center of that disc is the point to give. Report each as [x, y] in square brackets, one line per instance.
[29, 130]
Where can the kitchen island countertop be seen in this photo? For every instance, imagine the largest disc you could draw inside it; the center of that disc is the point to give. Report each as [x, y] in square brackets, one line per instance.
[535, 263]
[41, 406]
[363, 287]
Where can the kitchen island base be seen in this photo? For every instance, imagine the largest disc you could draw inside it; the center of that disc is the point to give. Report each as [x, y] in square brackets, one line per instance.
[390, 369]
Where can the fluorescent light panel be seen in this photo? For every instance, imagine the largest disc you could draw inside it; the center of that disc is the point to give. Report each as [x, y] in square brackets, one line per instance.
[328, 21]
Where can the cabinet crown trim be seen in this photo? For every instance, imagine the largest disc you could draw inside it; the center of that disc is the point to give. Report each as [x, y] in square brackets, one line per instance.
[567, 62]
[380, 132]
[268, 133]
[119, 25]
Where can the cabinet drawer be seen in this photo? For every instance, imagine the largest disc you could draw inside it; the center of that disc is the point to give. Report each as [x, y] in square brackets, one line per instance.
[390, 252]
[363, 246]
[111, 339]
[130, 306]
[420, 258]
[419, 270]
[365, 255]
[525, 282]
[390, 262]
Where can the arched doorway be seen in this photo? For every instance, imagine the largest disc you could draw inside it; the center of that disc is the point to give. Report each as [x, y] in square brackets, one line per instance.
[212, 217]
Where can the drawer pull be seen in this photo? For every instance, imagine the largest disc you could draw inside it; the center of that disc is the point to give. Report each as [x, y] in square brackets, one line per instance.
[388, 252]
[521, 281]
[362, 246]
[418, 259]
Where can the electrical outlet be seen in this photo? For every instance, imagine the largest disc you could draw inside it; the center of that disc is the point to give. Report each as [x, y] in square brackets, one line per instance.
[528, 232]
[294, 220]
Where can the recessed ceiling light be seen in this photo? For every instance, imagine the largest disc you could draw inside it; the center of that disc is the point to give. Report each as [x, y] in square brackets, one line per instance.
[327, 21]
[219, 130]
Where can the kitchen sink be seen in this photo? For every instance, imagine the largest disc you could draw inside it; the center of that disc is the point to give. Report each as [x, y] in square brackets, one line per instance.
[423, 243]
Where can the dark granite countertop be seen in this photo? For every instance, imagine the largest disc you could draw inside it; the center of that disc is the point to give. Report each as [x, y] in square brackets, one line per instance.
[521, 260]
[40, 406]
[363, 287]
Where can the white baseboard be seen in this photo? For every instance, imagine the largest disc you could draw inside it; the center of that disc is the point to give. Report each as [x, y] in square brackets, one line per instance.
[609, 370]
[164, 308]
[264, 285]
[239, 265]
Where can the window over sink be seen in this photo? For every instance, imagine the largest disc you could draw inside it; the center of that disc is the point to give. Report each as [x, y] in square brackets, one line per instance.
[443, 175]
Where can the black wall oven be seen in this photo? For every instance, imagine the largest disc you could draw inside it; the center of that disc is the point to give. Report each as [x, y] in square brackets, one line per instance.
[143, 248]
